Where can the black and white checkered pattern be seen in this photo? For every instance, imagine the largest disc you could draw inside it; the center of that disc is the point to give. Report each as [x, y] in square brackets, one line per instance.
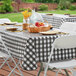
[41, 47]
[35, 49]
[57, 21]
[70, 19]
[54, 21]
[15, 44]
[47, 18]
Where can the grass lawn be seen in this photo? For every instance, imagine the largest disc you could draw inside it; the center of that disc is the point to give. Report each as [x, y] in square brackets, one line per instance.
[60, 12]
[18, 17]
[14, 17]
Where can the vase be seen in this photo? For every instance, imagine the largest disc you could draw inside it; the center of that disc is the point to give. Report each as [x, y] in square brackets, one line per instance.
[25, 24]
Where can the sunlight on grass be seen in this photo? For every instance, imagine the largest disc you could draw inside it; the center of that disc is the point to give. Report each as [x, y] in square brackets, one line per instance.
[60, 12]
[18, 17]
[13, 17]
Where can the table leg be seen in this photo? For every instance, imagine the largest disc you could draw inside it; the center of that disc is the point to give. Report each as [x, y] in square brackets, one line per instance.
[41, 68]
[66, 72]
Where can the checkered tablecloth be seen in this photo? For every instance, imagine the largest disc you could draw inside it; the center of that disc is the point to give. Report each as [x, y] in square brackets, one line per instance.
[57, 21]
[70, 19]
[33, 48]
[54, 21]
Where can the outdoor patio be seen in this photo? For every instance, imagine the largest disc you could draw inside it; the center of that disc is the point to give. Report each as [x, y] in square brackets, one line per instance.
[37, 35]
[5, 71]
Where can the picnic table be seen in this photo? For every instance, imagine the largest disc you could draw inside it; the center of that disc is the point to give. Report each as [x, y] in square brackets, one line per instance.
[33, 47]
[57, 19]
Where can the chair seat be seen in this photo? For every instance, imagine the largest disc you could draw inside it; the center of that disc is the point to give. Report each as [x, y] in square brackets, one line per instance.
[61, 65]
[3, 55]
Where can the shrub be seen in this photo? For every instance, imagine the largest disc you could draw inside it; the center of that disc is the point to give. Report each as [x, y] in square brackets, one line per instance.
[29, 1]
[72, 7]
[29, 9]
[64, 4]
[61, 7]
[22, 9]
[67, 4]
[43, 7]
[1, 10]
[7, 7]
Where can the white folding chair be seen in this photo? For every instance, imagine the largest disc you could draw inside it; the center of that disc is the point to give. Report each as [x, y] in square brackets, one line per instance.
[3, 20]
[62, 43]
[68, 26]
[4, 57]
[11, 57]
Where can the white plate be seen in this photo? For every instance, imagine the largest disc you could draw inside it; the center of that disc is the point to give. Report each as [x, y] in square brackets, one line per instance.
[1, 23]
[10, 23]
[49, 32]
[11, 28]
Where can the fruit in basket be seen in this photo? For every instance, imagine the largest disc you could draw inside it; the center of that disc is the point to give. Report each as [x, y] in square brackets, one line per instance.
[41, 24]
[38, 24]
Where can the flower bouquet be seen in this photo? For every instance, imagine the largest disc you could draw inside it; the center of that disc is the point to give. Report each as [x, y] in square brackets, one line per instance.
[26, 15]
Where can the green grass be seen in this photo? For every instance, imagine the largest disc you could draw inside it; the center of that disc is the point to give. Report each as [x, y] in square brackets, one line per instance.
[14, 17]
[60, 12]
[18, 17]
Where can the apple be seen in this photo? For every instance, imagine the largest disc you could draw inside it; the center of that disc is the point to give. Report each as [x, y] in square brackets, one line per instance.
[38, 24]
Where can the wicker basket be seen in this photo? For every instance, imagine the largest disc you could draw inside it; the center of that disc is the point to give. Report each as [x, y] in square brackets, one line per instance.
[45, 28]
[38, 29]
[34, 29]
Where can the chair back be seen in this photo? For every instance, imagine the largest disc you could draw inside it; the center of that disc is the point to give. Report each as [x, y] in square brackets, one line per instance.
[3, 20]
[3, 46]
[65, 42]
[68, 26]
